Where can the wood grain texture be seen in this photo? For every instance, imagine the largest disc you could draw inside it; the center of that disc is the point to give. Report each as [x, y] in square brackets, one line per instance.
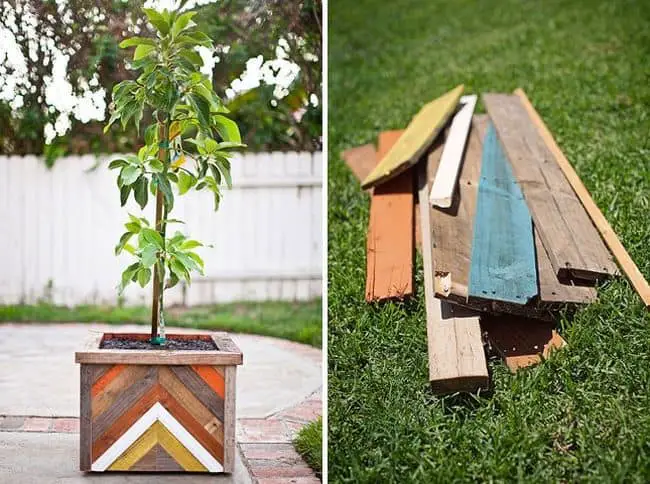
[212, 377]
[521, 342]
[157, 458]
[572, 242]
[193, 403]
[444, 183]
[200, 389]
[503, 264]
[85, 417]
[606, 231]
[455, 348]
[418, 136]
[389, 254]
[230, 419]
[361, 160]
[177, 389]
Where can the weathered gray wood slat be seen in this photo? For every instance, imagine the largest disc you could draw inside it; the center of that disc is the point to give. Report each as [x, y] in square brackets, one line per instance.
[200, 389]
[573, 244]
[85, 416]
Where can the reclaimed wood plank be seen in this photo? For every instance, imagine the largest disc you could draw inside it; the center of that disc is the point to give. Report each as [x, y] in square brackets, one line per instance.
[389, 254]
[456, 357]
[201, 390]
[503, 265]
[606, 231]
[85, 411]
[177, 389]
[230, 422]
[418, 136]
[570, 238]
[124, 382]
[444, 183]
[212, 377]
[551, 290]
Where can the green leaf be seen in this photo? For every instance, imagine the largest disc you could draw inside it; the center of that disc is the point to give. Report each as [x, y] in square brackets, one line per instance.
[124, 194]
[225, 170]
[191, 244]
[192, 56]
[142, 51]
[129, 174]
[179, 269]
[130, 42]
[151, 134]
[119, 163]
[227, 128]
[185, 182]
[143, 276]
[133, 227]
[152, 236]
[156, 165]
[157, 20]
[189, 263]
[140, 191]
[128, 274]
[196, 259]
[210, 145]
[172, 281]
[166, 189]
[202, 109]
[182, 23]
[149, 255]
[123, 240]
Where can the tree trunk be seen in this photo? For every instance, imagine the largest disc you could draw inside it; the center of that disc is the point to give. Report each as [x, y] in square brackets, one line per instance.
[157, 323]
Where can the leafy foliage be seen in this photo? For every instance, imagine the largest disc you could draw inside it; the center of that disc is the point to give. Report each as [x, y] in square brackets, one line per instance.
[186, 113]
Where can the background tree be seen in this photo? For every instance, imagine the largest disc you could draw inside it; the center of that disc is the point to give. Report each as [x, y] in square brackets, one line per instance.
[271, 117]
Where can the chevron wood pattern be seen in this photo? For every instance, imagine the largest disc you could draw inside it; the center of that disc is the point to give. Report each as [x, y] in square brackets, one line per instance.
[156, 417]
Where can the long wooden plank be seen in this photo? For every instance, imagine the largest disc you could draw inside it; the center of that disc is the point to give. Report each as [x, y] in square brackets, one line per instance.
[456, 358]
[570, 238]
[444, 183]
[86, 374]
[200, 389]
[503, 265]
[418, 136]
[230, 422]
[389, 254]
[606, 231]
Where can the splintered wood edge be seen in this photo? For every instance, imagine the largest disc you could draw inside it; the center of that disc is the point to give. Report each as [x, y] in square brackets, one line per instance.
[227, 354]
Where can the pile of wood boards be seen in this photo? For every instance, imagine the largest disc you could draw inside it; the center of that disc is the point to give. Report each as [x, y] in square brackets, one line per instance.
[509, 234]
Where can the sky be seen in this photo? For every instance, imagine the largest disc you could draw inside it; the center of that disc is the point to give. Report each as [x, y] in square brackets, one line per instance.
[90, 104]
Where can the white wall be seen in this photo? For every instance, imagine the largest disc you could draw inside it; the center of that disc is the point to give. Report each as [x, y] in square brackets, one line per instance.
[58, 229]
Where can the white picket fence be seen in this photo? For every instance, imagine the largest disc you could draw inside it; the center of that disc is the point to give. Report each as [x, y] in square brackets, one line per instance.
[58, 229]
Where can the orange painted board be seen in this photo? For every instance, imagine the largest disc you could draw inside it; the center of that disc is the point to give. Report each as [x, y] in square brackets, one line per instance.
[212, 378]
[360, 160]
[389, 268]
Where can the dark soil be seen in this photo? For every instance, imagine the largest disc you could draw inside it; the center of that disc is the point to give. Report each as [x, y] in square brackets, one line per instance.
[171, 344]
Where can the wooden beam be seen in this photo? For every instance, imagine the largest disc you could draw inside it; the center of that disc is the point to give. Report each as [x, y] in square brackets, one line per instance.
[570, 238]
[444, 183]
[420, 133]
[503, 266]
[631, 270]
[389, 255]
[456, 356]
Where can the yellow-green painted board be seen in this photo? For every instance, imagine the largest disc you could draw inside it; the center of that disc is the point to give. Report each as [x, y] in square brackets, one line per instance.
[420, 133]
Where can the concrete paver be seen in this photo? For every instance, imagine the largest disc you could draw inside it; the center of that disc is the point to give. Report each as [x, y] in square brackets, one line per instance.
[44, 458]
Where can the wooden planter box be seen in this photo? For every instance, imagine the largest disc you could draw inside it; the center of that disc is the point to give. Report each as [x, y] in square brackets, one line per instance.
[158, 410]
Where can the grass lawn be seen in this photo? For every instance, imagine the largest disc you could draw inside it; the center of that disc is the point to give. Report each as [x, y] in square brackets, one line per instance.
[309, 443]
[585, 414]
[299, 322]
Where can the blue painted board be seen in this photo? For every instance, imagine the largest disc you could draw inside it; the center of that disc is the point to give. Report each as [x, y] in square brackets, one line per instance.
[503, 265]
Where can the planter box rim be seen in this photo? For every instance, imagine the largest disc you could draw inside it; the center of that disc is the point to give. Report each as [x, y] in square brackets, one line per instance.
[227, 352]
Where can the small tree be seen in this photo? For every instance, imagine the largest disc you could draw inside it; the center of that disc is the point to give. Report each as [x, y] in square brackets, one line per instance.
[188, 122]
